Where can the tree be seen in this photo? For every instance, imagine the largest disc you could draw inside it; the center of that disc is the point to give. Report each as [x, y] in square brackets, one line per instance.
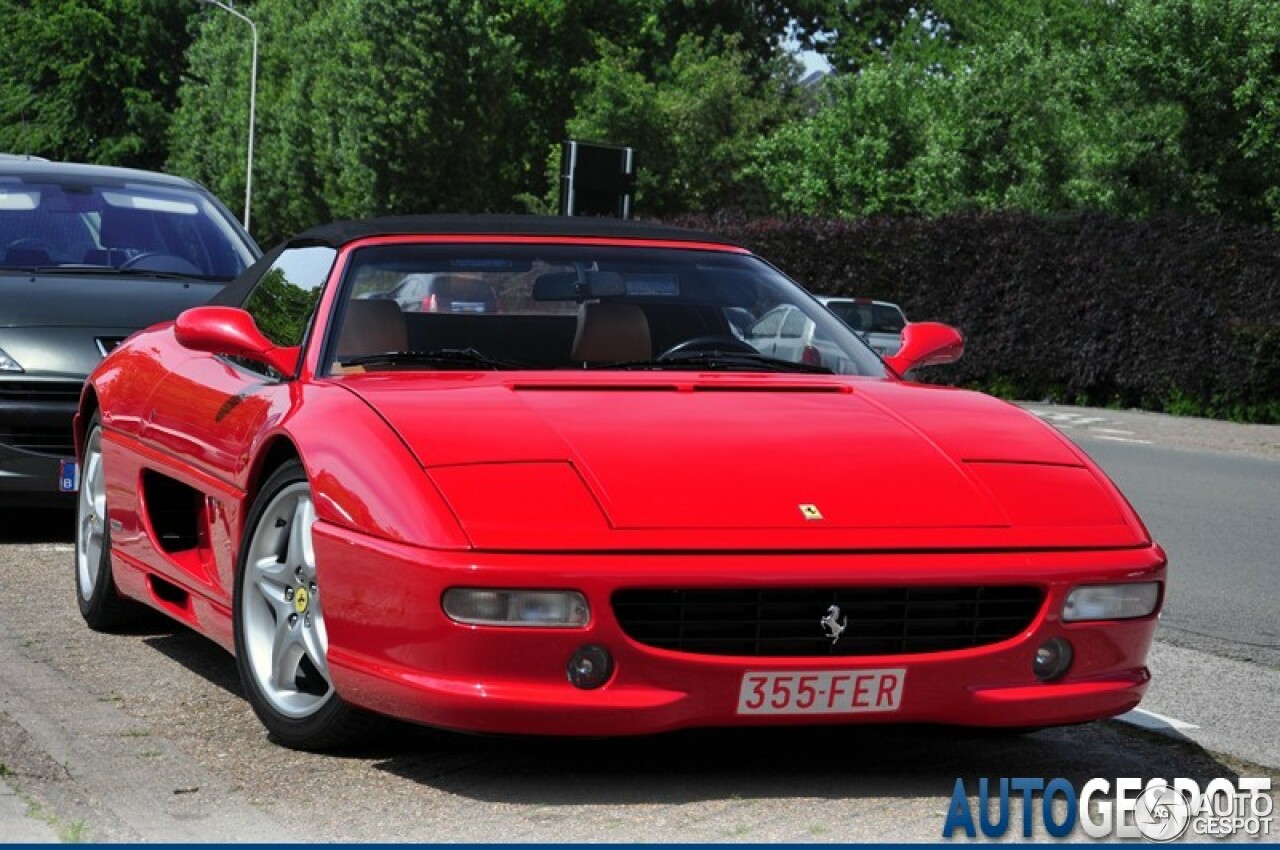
[91, 81]
[694, 123]
[1130, 107]
[389, 106]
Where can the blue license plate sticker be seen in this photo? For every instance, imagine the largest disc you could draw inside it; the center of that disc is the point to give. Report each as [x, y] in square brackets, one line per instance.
[68, 475]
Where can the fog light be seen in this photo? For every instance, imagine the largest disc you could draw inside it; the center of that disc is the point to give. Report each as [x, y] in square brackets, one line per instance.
[590, 667]
[1052, 660]
[538, 608]
[1111, 601]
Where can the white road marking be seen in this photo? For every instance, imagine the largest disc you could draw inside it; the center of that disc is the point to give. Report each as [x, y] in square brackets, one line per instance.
[1156, 722]
[53, 547]
[1121, 439]
[1093, 424]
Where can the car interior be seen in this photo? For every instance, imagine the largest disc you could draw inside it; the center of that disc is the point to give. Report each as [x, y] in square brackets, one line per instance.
[579, 308]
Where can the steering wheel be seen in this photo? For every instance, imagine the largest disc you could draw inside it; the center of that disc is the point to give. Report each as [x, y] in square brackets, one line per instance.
[723, 343]
[28, 243]
[155, 261]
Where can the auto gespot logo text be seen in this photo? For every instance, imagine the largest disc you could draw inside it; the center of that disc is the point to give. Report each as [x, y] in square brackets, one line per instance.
[1156, 809]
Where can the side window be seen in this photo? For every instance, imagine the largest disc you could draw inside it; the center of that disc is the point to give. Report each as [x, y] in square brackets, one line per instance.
[793, 327]
[284, 299]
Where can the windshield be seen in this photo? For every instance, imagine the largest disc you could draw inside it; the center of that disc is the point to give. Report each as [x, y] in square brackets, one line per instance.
[555, 306]
[74, 226]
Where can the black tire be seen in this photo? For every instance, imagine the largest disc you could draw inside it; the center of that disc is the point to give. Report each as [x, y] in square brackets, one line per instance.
[101, 604]
[297, 704]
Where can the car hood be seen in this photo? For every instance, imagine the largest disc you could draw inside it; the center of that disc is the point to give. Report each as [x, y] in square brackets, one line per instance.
[52, 324]
[745, 461]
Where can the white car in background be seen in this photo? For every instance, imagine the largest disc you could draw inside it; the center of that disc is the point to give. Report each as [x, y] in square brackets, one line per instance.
[787, 333]
[879, 322]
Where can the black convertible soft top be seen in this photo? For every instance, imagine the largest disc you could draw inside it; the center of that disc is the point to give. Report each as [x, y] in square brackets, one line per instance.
[340, 233]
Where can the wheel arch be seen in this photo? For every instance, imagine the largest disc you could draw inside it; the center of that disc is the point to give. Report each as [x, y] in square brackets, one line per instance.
[80, 424]
[275, 453]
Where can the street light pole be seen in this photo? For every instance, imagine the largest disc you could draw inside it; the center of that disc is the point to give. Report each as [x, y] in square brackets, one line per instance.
[253, 100]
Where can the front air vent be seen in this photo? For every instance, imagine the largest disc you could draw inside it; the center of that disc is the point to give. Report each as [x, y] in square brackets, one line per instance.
[172, 510]
[787, 622]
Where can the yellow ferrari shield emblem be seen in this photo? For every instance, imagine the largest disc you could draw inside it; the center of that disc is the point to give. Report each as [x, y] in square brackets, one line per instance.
[810, 512]
[300, 600]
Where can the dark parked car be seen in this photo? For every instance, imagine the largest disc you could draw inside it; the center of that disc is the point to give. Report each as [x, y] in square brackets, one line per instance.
[880, 323]
[88, 255]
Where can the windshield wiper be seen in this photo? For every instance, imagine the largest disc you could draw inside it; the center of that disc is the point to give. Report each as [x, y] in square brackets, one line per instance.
[729, 361]
[463, 357]
[112, 270]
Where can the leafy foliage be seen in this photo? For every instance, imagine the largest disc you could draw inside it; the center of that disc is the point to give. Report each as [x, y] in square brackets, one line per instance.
[387, 106]
[694, 124]
[1130, 107]
[90, 81]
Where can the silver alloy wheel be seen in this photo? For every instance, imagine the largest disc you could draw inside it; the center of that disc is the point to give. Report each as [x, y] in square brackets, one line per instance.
[283, 625]
[91, 516]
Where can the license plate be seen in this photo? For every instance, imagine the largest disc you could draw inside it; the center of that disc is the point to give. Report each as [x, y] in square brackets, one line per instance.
[68, 476]
[821, 692]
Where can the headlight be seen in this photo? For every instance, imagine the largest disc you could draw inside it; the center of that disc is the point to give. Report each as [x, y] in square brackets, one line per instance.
[8, 364]
[1111, 601]
[539, 608]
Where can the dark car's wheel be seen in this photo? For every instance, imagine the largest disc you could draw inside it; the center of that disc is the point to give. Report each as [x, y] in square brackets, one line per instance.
[280, 638]
[102, 607]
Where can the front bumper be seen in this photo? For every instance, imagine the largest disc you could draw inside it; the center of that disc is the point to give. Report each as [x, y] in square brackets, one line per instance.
[30, 479]
[35, 435]
[392, 650]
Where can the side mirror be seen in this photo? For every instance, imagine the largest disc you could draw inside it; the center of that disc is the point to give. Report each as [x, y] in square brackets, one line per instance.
[232, 332]
[926, 344]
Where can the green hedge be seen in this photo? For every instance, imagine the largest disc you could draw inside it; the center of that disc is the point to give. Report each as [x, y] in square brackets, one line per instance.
[1171, 313]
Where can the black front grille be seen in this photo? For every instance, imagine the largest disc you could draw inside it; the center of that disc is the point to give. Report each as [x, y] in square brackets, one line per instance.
[36, 416]
[55, 441]
[40, 391]
[787, 622]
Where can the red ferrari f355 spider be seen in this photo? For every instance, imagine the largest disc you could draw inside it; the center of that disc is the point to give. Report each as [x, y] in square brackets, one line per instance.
[546, 476]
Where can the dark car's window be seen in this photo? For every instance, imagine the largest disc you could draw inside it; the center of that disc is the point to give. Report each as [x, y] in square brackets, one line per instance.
[869, 317]
[564, 306]
[76, 225]
[284, 298]
[887, 320]
[856, 316]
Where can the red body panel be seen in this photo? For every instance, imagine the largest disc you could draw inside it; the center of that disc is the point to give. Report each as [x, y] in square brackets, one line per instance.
[423, 481]
[394, 651]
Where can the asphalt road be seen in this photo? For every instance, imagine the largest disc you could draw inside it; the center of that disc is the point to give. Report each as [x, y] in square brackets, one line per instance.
[1218, 518]
[146, 736]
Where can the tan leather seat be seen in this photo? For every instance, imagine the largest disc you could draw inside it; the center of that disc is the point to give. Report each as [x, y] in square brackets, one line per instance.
[373, 326]
[611, 333]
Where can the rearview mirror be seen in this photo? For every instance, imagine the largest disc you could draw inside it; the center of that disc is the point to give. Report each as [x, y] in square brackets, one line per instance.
[926, 344]
[575, 286]
[231, 332]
